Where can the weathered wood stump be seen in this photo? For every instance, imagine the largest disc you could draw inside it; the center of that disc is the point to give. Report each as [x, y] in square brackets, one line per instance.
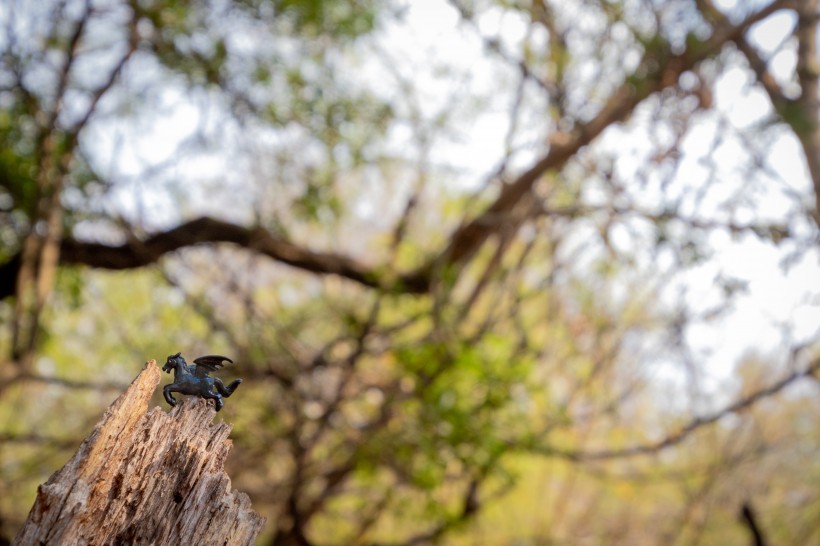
[145, 478]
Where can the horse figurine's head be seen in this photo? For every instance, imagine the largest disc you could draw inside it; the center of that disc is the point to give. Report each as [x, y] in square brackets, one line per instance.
[173, 362]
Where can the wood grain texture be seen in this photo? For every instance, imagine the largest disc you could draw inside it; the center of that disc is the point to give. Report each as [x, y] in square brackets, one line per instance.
[145, 478]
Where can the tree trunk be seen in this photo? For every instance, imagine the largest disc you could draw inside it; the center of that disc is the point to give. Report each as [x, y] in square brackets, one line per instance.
[145, 478]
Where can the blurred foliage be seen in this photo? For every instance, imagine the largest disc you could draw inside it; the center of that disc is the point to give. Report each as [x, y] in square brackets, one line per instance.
[547, 385]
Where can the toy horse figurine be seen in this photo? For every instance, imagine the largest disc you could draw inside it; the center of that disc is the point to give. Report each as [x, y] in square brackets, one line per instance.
[193, 378]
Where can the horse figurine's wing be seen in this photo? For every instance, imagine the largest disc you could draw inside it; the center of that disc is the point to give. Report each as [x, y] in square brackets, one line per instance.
[209, 363]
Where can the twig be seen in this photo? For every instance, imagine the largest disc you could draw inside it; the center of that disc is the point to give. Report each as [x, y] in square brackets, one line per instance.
[693, 425]
[749, 518]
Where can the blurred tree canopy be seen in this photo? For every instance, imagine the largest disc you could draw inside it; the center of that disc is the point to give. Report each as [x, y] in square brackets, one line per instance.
[487, 268]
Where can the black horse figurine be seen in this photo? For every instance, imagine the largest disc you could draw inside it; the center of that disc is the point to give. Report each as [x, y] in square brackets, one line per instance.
[193, 378]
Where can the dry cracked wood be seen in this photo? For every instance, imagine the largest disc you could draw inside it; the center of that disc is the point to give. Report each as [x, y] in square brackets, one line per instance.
[145, 478]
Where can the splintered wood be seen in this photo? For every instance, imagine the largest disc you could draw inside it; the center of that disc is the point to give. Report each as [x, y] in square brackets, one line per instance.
[145, 478]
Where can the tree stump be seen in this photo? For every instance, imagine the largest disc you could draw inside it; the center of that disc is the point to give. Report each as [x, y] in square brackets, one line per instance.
[145, 478]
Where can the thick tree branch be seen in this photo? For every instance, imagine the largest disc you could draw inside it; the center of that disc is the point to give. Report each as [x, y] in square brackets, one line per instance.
[134, 254]
[808, 74]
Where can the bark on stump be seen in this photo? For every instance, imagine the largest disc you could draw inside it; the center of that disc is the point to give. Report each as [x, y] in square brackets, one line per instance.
[145, 478]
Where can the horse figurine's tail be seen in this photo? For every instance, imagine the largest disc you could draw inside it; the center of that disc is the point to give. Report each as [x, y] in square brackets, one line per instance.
[224, 390]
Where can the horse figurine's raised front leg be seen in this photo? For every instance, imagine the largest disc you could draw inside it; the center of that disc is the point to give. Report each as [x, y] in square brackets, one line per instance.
[166, 392]
[194, 379]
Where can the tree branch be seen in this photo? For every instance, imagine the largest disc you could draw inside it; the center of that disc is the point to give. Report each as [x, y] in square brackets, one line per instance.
[693, 425]
[749, 518]
[656, 71]
[800, 114]
[808, 74]
[205, 230]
